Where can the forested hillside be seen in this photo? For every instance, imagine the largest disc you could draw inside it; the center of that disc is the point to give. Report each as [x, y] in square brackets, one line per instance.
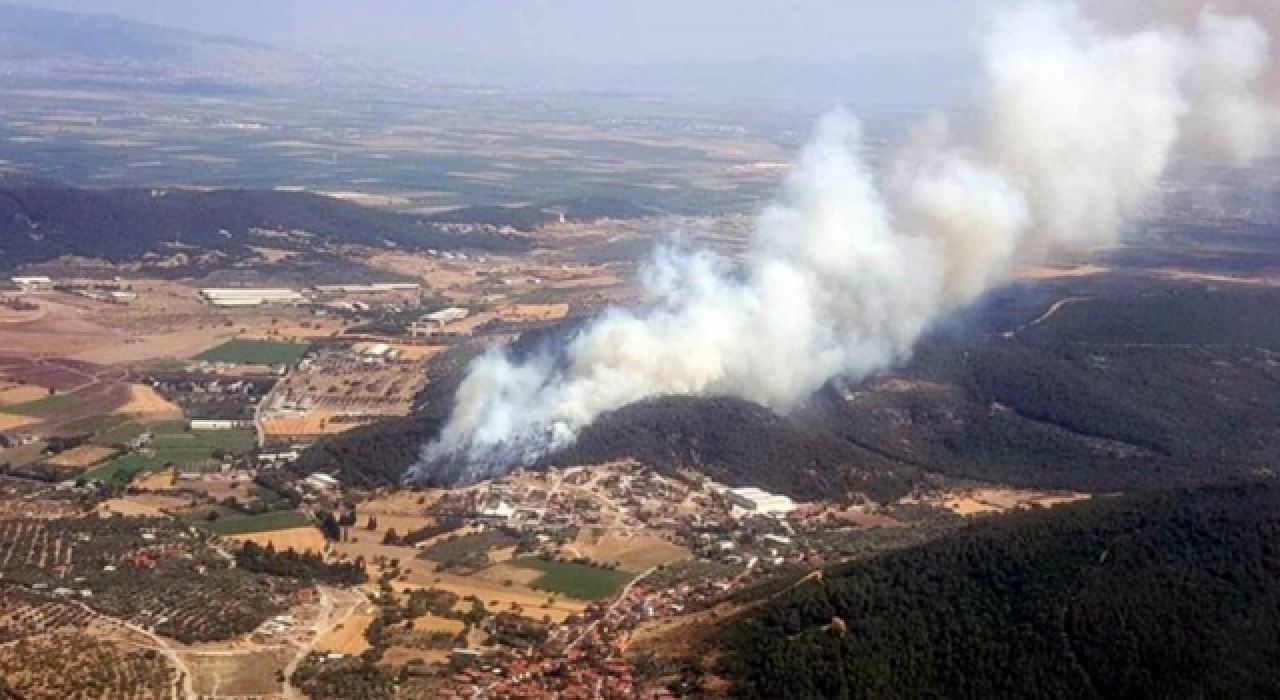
[1174, 595]
[741, 444]
[40, 221]
[1108, 393]
[531, 216]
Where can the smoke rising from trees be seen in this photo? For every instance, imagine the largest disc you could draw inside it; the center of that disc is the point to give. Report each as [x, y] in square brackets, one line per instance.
[847, 269]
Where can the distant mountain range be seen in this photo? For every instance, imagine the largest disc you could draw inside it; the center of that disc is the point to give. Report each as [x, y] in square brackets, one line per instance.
[29, 33]
[52, 46]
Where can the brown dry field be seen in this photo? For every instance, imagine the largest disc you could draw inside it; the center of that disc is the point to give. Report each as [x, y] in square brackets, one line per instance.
[251, 673]
[431, 623]
[167, 321]
[217, 489]
[346, 638]
[1048, 273]
[501, 573]
[12, 394]
[12, 422]
[496, 595]
[985, 501]
[586, 282]
[317, 423]
[56, 337]
[468, 325]
[863, 516]
[8, 315]
[72, 326]
[636, 553]
[299, 539]
[369, 546]
[419, 353]
[433, 273]
[400, 503]
[143, 400]
[292, 330]
[524, 313]
[83, 457]
[402, 524]
[397, 657]
[143, 505]
[125, 348]
[158, 481]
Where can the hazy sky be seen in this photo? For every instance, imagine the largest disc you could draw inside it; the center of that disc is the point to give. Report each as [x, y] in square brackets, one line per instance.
[612, 31]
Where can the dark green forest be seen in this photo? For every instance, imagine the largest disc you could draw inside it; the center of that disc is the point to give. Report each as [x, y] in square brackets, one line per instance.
[303, 566]
[739, 443]
[40, 221]
[1172, 595]
[1155, 386]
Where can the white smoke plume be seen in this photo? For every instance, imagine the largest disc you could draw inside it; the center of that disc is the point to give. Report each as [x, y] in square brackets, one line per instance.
[850, 266]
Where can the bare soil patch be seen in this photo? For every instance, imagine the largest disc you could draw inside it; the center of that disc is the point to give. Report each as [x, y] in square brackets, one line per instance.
[631, 553]
[84, 456]
[346, 638]
[12, 422]
[142, 505]
[144, 401]
[299, 539]
[250, 673]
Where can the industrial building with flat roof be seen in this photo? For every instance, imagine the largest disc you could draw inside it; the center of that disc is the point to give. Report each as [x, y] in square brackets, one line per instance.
[32, 282]
[436, 320]
[375, 288]
[754, 500]
[251, 297]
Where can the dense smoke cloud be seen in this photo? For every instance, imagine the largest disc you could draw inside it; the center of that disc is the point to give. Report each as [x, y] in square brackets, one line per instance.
[851, 266]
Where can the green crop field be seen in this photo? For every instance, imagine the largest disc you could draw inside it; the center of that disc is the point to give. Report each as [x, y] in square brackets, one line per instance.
[267, 522]
[120, 434]
[256, 352]
[41, 407]
[124, 469]
[172, 444]
[579, 581]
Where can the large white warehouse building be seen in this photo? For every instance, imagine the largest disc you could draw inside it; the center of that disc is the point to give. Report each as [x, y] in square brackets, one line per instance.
[251, 297]
[754, 500]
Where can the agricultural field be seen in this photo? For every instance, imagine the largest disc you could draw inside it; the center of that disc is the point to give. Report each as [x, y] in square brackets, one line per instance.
[298, 539]
[144, 401]
[155, 573]
[347, 637]
[42, 406]
[24, 614]
[629, 552]
[83, 457]
[255, 352]
[252, 674]
[580, 581]
[265, 523]
[9, 421]
[12, 393]
[470, 552]
[31, 500]
[120, 434]
[497, 596]
[70, 665]
[174, 445]
[143, 505]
